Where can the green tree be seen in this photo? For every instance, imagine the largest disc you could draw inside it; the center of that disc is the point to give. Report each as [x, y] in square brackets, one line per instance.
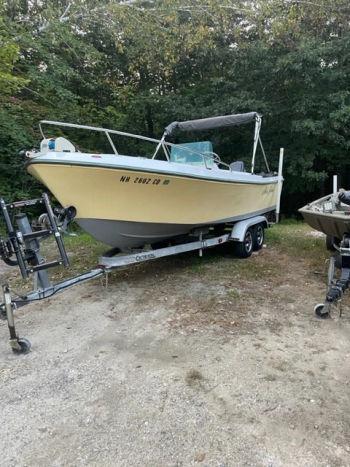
[140, 64]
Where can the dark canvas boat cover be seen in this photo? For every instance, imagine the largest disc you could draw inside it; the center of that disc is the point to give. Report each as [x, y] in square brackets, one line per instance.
[211, 123]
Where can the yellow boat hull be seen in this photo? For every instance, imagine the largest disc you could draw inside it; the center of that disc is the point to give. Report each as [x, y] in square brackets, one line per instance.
[124, 207]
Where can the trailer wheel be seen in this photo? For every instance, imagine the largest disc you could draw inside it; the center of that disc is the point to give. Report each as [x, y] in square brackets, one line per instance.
[24, 346]
[320, 311]
[245, 249]
[258, 237]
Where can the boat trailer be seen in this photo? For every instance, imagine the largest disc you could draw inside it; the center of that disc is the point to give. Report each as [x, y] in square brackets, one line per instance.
[337, 283]
[21, 248]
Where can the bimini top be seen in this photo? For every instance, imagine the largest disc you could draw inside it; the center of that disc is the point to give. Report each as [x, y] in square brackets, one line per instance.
[211, 123]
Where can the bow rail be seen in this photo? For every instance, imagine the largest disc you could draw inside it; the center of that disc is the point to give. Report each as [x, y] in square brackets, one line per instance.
[160, 142]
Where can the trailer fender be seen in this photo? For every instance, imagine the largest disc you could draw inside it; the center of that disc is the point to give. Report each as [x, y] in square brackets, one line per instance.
[240, 228]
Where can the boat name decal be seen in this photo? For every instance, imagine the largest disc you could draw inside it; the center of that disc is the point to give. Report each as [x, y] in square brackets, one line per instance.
[144, 180]
[145, 257]
[269, 189]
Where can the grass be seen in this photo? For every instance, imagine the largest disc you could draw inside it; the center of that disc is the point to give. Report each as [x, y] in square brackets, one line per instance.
[83, 251]
[199, 264]
[289, 238]
[286, 240]
[296, 238]
[233, 294]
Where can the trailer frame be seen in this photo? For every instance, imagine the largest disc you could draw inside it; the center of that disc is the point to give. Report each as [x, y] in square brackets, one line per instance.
[22, 249]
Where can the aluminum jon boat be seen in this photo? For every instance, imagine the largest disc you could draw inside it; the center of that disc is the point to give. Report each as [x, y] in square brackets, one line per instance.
[129, 201]
[330, 214]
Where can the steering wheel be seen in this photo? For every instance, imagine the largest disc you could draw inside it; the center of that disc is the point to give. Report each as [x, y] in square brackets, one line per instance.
[216, 157]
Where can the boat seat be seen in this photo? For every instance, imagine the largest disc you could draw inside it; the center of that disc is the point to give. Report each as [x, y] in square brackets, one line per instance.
[237, 166]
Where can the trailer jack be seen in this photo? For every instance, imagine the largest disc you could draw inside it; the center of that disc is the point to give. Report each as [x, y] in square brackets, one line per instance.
[18, 345]
[336, 286]
[22, 248]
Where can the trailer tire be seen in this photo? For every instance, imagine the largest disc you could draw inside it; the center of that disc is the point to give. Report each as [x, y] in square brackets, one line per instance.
[258, 237]
[245, 249]
[319, 311]
[24, 346]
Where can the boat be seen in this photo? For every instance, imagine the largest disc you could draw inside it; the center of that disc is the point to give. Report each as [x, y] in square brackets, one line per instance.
[182, 194]
[129, 201]
[330, 214]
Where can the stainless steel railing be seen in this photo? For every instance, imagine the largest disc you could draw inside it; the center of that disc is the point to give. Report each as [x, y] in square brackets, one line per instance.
[160, 143]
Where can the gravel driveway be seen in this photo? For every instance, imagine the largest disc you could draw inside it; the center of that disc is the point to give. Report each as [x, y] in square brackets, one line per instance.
[179, 363]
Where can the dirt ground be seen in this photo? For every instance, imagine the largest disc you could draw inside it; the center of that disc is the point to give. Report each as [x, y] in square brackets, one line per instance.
[181, 362]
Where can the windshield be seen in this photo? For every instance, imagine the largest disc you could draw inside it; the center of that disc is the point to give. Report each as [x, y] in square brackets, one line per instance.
[198, 153]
